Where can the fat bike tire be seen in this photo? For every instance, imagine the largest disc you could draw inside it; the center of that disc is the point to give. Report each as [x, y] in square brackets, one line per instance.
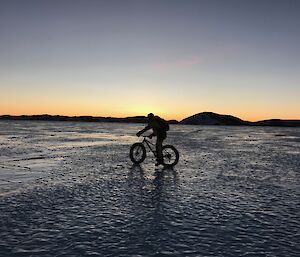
[137, 153]
[170, 156]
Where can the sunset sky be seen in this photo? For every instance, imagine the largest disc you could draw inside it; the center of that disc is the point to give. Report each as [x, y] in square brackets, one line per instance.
[130, 57]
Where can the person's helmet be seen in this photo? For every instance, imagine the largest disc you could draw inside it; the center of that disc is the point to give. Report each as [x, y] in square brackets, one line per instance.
[150, 116]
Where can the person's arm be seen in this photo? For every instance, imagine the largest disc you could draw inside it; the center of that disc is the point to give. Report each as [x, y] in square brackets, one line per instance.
[143, 130]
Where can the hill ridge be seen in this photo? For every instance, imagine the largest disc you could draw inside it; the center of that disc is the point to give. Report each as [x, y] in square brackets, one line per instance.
[202, 118]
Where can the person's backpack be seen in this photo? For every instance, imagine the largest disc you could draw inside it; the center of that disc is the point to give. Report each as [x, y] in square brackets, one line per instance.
[164, 124]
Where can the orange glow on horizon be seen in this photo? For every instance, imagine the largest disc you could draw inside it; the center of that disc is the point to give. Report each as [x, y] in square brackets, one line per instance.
[134, 111]
[167, 108]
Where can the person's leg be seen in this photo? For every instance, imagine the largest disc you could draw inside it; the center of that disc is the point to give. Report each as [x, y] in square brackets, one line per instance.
[159, 142]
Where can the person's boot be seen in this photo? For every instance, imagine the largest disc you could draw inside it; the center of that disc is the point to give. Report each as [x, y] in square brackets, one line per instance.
[158, 162]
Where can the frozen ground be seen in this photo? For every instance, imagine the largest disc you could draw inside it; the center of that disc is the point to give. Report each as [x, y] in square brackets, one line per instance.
[69, 189]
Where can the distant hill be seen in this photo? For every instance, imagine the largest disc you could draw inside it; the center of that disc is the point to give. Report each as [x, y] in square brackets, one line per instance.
[277, 123]
[204, 118]
[46, 117]
[210, 118]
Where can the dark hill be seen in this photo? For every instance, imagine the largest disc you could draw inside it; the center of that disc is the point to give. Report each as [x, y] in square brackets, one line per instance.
[46, 117]
[277, 123]
[210, 118]
[204, 118]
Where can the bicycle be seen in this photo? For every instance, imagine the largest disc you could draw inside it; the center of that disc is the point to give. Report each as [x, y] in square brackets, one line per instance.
[138, 153]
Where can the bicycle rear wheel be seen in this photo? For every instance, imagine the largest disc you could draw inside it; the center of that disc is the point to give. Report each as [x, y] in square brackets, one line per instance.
[137, 153]
[170, 155]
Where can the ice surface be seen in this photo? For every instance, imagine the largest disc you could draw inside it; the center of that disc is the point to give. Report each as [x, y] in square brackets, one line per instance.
[69, 189]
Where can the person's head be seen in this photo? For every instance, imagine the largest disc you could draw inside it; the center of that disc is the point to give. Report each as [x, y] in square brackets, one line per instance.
[150, 116]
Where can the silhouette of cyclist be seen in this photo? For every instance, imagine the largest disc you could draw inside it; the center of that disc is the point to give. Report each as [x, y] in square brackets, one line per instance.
[160, 128]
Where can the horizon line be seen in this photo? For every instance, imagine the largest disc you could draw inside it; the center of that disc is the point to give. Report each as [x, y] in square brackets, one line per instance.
[124, 117]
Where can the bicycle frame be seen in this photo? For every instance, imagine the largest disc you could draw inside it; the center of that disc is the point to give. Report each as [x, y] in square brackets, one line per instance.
[150, 145]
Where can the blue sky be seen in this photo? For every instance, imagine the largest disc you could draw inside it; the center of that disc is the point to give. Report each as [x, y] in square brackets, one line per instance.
[175, 58]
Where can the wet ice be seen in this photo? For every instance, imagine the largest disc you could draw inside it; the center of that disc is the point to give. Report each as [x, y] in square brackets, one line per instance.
[69, 189]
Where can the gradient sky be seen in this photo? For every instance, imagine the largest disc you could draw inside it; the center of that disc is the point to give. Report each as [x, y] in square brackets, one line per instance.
[129, 57]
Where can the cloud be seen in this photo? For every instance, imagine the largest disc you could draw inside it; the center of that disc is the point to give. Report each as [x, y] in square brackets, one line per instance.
[177, 65]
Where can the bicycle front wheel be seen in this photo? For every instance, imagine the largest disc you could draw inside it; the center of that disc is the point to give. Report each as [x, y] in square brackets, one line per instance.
[137, 153]
[170, 155]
